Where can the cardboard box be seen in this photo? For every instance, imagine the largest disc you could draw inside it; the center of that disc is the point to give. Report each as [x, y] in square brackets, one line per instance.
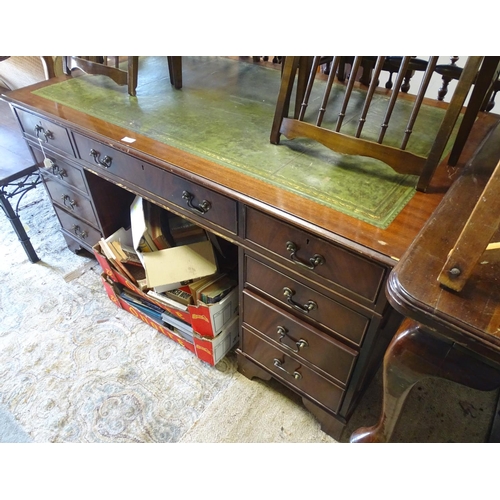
[167, 268]
[209, 320]
[213, 350]
[210, 351]
[206, 320]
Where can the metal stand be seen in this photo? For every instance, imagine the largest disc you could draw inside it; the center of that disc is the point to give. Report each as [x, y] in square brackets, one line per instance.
[19, 184]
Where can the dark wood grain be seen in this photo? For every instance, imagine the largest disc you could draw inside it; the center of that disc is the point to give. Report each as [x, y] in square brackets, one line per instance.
[299, 339]
[340, 321]
[292, 372]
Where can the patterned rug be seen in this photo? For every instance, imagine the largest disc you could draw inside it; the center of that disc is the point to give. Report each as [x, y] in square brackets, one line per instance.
[224, 113]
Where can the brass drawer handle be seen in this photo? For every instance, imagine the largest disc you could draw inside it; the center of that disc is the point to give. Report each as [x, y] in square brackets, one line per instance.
[105, 162]
[68, 202]
[59, 172]
[78, 232]
[306, 308]
[56, 170]
[39, 130]
[314, 261]
[279, 364]
[283, 332]
[201, 209]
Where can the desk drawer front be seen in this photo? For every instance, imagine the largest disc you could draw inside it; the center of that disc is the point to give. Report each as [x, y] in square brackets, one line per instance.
[78, 228]
[47, 133]
[200, 202]
[60, 169]
[303, 250]
[291, 371]
[299, 339]
[71, 200]
[306, 302]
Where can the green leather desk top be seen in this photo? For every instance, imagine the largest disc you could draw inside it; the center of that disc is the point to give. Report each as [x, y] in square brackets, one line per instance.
[224, 113]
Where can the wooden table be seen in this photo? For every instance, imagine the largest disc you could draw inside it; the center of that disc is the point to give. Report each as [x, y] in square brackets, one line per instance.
[448, 334]
[319, 326]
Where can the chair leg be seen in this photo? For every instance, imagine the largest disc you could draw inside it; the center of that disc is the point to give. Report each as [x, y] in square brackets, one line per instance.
[133, 72]
[175, 71]
[14, 219]
[289, 71]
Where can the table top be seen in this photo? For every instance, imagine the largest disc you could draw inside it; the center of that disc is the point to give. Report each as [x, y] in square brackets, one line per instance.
[386, 244]
[471, 317]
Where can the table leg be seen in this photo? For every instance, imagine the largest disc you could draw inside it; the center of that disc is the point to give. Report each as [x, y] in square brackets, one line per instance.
[412, 356]
[18, 228]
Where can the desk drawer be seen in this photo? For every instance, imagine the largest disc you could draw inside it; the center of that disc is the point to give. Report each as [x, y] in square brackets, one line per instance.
[60, 169]
[74, 202]
[291, 371]
[339, 266]
[78, 228]
[299, 339]
[46, 132]
[201, 202]
[307, 303]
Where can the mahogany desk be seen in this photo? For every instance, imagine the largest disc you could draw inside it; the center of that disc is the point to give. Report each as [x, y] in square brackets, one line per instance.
[318, 326]
[447, 334]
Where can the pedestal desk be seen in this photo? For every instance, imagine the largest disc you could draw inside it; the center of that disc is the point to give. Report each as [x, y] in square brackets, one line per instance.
[320, 328]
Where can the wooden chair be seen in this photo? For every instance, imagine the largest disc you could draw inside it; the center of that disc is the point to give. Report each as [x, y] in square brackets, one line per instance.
[100, 65]
[400, 159]
[452, 71]
[486, 85]
[475, 237]
[391, 65]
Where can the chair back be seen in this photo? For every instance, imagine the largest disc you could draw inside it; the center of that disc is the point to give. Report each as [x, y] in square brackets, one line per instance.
[356, 119]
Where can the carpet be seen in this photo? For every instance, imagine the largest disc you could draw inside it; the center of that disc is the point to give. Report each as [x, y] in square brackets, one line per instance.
[224, 113]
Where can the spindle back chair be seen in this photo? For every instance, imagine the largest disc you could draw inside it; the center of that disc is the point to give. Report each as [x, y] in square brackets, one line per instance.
[349, 130]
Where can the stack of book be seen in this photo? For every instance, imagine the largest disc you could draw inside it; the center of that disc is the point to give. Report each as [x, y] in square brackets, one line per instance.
[145, 306]
[211, 289]
[184, 232]
[185, 330]
[123, 257]
[179, 298]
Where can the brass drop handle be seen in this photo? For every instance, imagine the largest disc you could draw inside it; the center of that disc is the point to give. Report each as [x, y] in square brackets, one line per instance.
[314, 261]
[59, 172]
[39, 130]
[78, 232]
[306, 308]
[279, 364]
[283, 332]
[56, 169]
[68, 202]
[201, 209]
[105, 162]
